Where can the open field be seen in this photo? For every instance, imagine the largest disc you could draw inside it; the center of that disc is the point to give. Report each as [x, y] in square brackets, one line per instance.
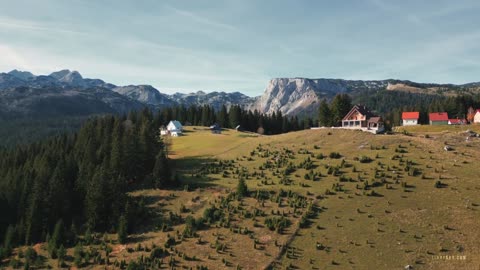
[439, 128]
[347, 200]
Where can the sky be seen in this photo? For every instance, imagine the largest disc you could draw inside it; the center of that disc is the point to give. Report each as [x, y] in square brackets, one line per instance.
[239, 45]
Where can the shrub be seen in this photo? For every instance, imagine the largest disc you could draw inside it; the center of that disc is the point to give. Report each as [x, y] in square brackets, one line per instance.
[277, 223]
[30, 255]
[158, 253]
[334, 155]
[439, 184]
[170, 242]
[365, 159]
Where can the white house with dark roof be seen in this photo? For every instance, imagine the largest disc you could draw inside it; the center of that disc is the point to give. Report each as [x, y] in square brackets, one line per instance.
[175, 128]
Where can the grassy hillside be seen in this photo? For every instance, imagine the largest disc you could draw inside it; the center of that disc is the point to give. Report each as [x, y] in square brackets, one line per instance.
[407, 220]
[318, 199]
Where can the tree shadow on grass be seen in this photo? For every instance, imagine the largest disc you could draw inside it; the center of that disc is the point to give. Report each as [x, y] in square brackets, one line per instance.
[190, 172]
[134, 239]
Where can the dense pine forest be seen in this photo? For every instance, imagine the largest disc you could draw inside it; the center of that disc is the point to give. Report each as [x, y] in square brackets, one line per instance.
[275, 123]
[79, 181]
[25, 131]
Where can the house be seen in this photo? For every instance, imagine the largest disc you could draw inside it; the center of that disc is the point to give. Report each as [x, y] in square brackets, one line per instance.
[174, 128]
[438, 118]
[163, 131]
[216, 129]
[476, 117]
[457, 121]
[359, 117]
[410, 118]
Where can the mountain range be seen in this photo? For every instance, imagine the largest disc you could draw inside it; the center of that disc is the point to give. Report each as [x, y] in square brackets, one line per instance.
[66, 92]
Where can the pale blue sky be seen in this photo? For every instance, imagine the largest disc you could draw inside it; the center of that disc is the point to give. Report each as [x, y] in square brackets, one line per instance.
[238, 45]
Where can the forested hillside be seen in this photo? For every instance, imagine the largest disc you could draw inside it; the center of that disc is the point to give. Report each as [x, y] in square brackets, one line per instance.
[80, 181]
[17, 131]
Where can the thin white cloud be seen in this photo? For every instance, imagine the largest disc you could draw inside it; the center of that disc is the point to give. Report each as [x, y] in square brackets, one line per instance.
[11, 23]
[384, 5]
[201, 19]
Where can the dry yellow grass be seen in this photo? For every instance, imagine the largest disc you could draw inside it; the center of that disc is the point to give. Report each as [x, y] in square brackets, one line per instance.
[416, 225]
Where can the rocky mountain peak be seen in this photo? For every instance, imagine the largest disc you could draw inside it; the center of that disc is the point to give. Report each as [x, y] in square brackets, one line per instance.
[59, 74]
[22, 75]
[70, 77]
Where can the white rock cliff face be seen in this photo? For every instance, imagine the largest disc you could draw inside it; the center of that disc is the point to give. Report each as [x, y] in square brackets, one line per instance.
[143, 93]
[289, 96]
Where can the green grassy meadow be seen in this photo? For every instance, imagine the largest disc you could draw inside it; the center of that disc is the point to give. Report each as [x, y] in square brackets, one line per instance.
[410, 221]
[348, 199]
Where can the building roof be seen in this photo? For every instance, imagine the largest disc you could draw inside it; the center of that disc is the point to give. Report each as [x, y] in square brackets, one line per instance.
[375, 119]
[362, 109]
[457, 121]
[438, 116]
[175, 124]
[410, 115]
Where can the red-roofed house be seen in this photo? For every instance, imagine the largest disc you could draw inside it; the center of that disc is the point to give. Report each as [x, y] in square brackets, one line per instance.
[410, 118]
[476, 118]
[438, 118]
[457, 121]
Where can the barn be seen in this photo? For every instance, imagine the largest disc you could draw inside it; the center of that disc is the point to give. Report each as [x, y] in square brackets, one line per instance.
[438, 118]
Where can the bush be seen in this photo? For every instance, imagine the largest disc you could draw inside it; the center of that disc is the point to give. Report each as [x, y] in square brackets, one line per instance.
[277, 223]
[30, 255]
[334, 155]
[439, 184]
[212, 214]
[192, 225]
[365, 159]
[170, 242]
[158, 253]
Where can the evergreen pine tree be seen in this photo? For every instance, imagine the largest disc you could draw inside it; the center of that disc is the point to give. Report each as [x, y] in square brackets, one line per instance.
[122, 230]
[242, 189]
[324, 114]
[161, 171]
[61, 254]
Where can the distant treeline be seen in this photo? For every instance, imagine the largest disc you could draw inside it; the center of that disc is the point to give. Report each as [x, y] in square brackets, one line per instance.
[15, 131]
[248, 120]
[391, 104]
[81, 180]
